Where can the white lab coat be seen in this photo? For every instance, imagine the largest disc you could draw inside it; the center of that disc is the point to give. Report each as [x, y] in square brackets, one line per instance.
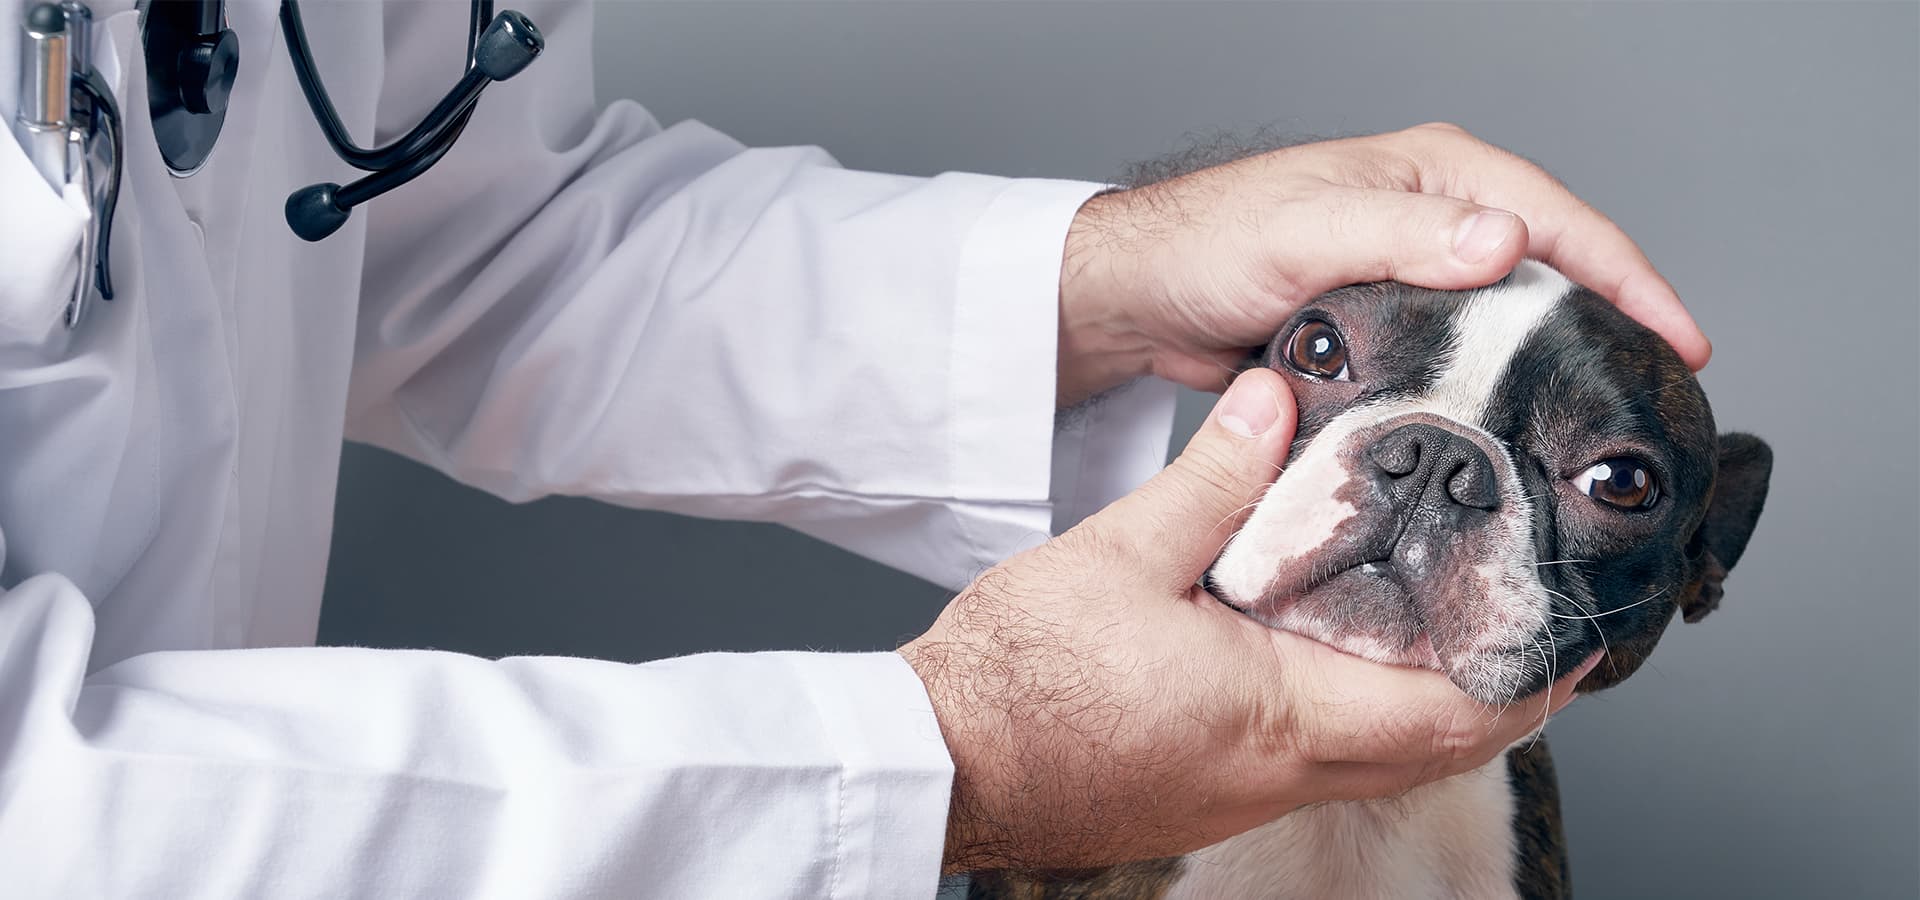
[570, 303]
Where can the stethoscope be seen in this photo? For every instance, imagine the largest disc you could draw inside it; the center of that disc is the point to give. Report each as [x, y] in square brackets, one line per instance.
[192, 58]
[70, 124]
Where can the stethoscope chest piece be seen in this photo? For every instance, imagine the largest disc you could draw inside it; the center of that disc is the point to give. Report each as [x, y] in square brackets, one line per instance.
[192, 58]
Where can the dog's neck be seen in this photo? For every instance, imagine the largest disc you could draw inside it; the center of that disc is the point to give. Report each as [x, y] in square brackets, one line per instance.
[1453, 838]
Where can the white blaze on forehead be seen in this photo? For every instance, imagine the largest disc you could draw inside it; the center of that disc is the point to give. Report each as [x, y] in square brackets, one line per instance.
[1488, 331]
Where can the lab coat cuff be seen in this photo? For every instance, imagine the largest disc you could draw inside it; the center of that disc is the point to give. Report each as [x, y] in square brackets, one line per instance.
[1005, 340]
[1108, 446]
[1102, 450]
[896, 774]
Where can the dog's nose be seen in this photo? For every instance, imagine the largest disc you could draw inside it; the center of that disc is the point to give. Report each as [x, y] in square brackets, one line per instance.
[1414, 457]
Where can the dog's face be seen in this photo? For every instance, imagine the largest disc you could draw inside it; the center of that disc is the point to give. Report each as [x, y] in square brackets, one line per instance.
[1494, 484]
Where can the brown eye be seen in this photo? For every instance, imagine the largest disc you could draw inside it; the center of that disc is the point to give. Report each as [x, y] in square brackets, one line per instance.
[1621, 482]
[1316, 349]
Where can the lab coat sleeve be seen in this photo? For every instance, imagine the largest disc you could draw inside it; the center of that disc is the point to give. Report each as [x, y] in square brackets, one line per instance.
[341, 772]
[585, 303]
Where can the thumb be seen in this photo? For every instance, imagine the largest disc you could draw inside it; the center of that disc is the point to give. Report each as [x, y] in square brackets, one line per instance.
[1429, 240]
[1177, 522]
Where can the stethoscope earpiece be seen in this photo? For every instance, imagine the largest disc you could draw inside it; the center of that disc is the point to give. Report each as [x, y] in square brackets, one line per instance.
[313, 213]
[509, 45]
[498, 48]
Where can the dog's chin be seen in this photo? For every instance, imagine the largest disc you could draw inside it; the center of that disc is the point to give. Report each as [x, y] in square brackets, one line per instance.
[1368, 612]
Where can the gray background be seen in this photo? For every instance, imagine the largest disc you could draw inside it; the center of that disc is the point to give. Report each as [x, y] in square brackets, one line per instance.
[1765, 155]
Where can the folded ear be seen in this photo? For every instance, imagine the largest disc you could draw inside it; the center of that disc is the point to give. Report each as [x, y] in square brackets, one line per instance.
[1739, 492]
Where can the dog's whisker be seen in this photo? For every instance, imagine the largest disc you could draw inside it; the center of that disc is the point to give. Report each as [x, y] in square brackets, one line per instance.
[1601, 632]
[1545, 711]
[1616, 609]
[1243, 508]
[1562, 562]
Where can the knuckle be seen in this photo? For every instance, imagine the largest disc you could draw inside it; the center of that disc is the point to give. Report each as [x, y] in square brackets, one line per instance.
[1384, 163]
[1312, 728]
[1443, 146]
[1448, 130]
[1208, 472]
[1457, 741]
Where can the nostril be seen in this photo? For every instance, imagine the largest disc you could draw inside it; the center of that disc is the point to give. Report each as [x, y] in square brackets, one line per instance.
[1472, 484]
[1397, 455]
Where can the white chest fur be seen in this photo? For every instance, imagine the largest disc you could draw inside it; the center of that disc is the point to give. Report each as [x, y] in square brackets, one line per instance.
[1449, 839]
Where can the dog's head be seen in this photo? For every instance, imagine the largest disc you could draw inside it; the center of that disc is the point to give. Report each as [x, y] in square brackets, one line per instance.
[1492, 483]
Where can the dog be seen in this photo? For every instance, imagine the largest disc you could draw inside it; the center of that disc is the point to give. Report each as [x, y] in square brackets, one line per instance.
[1495, 484]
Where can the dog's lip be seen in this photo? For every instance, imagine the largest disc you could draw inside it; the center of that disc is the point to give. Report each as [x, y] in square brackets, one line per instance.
[1421, 653]
[1433, 666]
[1376, 564]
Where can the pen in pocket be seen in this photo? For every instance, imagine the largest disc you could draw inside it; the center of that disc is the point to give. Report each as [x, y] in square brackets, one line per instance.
[41, 122]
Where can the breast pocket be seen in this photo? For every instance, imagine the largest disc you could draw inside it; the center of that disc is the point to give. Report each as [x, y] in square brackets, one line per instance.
[40, 234]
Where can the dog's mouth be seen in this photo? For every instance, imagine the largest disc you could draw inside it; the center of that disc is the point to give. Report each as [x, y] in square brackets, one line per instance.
[1367, 609]
[1426, 613]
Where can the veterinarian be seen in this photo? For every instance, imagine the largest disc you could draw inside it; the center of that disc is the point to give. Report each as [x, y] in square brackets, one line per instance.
[570, 300]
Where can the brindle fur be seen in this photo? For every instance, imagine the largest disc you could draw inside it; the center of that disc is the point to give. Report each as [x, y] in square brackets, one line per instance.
[1540, 850]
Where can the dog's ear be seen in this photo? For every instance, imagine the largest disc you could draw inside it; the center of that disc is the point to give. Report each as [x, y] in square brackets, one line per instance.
[1739, 492]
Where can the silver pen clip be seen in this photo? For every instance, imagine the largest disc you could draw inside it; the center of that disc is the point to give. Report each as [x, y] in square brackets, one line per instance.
[46, 83]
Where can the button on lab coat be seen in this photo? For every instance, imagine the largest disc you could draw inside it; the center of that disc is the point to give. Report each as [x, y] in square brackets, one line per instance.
[573, 302]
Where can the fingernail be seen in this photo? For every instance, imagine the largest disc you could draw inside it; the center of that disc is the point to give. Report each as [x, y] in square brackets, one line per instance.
[1249, 408]
[1478, 237]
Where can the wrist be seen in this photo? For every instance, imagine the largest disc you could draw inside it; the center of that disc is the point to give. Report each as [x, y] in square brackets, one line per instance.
[1100, 344]
[966, 847]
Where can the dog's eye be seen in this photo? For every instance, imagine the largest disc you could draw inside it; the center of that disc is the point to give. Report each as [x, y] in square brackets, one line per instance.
[1620, 482]
[1317, 350]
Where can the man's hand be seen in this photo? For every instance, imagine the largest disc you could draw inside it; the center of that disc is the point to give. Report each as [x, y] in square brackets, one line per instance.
[1180, 278]
[1100, 707]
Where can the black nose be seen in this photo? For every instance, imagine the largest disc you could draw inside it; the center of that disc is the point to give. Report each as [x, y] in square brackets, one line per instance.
[1416, 459]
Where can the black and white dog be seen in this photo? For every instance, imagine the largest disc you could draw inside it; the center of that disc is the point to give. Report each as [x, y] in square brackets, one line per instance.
[1494, 484]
